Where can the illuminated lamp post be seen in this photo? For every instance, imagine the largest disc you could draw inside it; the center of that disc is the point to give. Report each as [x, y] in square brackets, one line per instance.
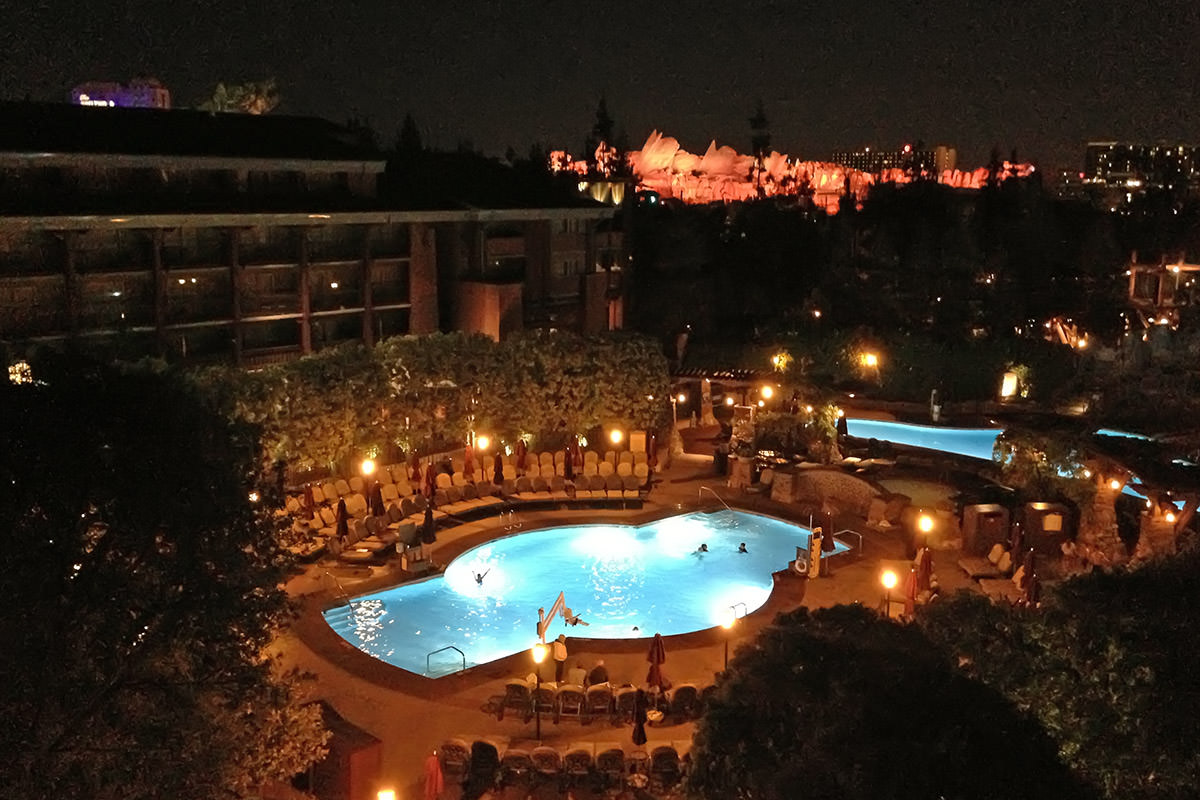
[1008, 385]
[676, 401]
[367, 467]
[925, 524]
[539, 655]
[888, 579]
[386, 794]
[728, 623]
[616, 436]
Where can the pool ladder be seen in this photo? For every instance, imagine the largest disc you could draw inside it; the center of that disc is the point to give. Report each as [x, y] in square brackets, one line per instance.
[442, 650]
[342, 589]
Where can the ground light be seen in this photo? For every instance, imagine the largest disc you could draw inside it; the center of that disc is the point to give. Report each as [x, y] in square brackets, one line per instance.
[539, 655]
[888, 579]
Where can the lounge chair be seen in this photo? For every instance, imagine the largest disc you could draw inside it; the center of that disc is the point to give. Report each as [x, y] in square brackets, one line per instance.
[599, 701]
[572, 701]
[610, 763]
[357, 485]
[623, 701]
[577, 761]
[545, 699]
[547, 763]
[685, 702]
[343, 487]
[484, 768]
[455, 755]
[664, 767]
[515, 765]
[517, 697]
[631, 486]
[979, 567]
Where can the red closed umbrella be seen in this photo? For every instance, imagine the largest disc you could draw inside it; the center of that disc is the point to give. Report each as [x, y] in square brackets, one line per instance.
[1028, 567]
[521, 452]
[1016, 539]
[430, 479]
[924, 569]
[309, 502]
[434, 779]
[910, 592]
[469, 462]
[576, 452]
[657, 656]
[414, 463]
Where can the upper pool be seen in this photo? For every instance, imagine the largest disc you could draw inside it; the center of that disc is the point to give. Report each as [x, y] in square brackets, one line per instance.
[973, 442]
[625, 582]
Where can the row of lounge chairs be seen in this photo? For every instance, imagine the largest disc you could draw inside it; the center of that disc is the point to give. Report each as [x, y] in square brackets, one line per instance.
[600, 701]
[491, 762]
[394, 480]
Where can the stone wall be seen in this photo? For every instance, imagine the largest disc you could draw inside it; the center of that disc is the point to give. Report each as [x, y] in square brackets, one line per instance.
[832, 489]
[1156, 537]
[1098, 542]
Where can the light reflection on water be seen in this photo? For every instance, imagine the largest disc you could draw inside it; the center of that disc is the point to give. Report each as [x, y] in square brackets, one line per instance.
[624, 582]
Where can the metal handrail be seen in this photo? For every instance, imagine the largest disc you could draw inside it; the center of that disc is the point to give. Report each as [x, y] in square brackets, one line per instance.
[856, 533]
[441, 649]
[713, 492]
[733, 608]
[342, 589]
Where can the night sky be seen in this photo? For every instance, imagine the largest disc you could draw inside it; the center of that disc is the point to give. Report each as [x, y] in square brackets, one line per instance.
[1041, 76]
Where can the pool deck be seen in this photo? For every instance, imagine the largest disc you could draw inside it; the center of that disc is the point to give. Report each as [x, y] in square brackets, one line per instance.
[411, 714]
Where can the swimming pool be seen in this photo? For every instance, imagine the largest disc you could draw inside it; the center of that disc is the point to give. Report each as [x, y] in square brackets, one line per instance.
[973, 442]
[624, 581]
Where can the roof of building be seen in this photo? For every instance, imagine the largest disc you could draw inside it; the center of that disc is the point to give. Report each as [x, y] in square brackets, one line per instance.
[436, 180]
[27, 127]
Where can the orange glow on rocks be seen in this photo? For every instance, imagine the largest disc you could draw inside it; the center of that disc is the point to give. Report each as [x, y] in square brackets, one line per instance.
[723, 175]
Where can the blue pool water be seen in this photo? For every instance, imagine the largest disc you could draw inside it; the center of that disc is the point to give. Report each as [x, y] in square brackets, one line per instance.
[973, 442]
[625, 582]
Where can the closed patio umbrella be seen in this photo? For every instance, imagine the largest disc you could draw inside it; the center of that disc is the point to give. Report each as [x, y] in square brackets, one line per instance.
[414, 465]
[521, 451]
[569, 465]
[434, 779]
[469, 462]
[1033, 590]
[910, 592]
[576, 452]
[1016, 540]
[310, 504]
[430, 479]
[377, 507]
[657, 656]
[428, 527]
[342, 526]
[651, 451]
[498, 469]
[924, 569]
[1028, 566]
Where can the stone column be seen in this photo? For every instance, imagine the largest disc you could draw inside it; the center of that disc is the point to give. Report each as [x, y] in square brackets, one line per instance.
[1098, 541]
[1156, 536]
[706, 407]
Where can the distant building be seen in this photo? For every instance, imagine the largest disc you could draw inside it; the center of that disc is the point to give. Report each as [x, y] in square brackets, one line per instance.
[1138, 166]
[139, 93]
[907, 158]
[258, 239]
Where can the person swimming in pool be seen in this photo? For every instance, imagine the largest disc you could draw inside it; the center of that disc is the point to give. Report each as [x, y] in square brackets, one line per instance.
[479, 576]
[742, 548]
[703, 548]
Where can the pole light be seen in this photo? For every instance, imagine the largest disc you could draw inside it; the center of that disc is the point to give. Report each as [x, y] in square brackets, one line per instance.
[368, 466]
[925, 523]
[728, 623]
[889, 580]
[616, 436]
[483, 443]
[386, 794]
[539, 655]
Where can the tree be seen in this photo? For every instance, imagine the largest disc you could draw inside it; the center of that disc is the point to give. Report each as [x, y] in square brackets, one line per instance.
[408, 140]
[142, 584]
[1107, 667]
[252, 97]
[842, 703]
